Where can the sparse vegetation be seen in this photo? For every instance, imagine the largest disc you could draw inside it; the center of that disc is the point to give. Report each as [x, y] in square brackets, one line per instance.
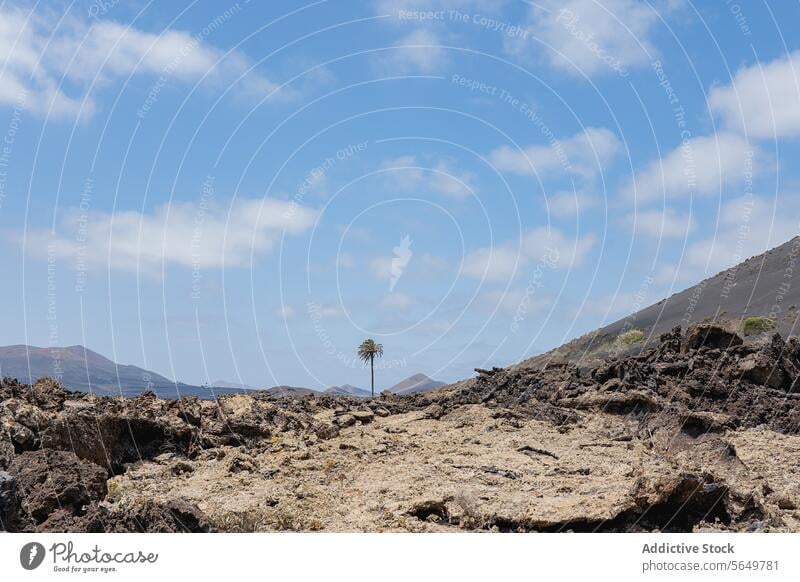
[114, 491]
[242, 522]
[757, 324]
[630, 337]
[471, 516]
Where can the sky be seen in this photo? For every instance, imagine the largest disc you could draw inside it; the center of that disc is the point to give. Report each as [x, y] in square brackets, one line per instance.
[245, 191]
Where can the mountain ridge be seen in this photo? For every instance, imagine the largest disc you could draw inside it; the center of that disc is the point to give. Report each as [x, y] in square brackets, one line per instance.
[80, 368]
[751, 288]
[415, 384]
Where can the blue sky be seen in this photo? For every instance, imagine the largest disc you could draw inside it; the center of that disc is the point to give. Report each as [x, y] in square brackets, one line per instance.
[247, 190]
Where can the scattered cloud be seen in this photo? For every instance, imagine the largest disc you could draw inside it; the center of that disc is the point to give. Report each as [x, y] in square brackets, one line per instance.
[570, 204]
[664, 223]
[431, 263]
[762, 100]
[324, 311]
[547, 245]
[408, 174]
[177, 233]
[346, 261]
[591, 37]
[48, 65]
[512, 301]
[395, 7]
[285, 312]
[419, 51]
[584, 154]
[397, 301]
[381, 267]
[702, 165]
[748, 226]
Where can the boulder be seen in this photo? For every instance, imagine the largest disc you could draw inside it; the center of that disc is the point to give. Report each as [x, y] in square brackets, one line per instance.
[6, 448]
[363, 416]
[22, 437]
[172, 516]
[53, 480]
[112, 439]
[762, 370]
[9, 501]
[709, 336]
[345, 420]
[326, 431]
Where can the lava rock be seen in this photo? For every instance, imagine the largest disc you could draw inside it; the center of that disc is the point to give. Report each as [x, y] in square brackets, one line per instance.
[345, 420]
[363, 416]
[710, 336]
[9, 501]
[173, 516]
[53, 480]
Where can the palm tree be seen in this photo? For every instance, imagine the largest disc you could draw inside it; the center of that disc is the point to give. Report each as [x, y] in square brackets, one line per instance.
[367, 351]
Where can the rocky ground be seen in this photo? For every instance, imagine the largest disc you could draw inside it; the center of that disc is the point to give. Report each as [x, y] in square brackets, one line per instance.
[697, 434]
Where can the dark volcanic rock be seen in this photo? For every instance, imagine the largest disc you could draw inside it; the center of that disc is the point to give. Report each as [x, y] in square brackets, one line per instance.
[710, 336]
[57, 480]
[6, 447]
[708, 371]
[175, 516]
[9, 501]
[112, 439]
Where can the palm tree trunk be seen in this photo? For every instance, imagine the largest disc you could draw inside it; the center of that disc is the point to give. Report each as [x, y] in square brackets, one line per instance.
[372, 373]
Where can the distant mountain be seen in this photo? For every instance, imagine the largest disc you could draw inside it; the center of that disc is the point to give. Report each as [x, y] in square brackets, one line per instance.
[415, 384]
[291, 391]
[348, 390]
[233, 385]
[81, 369]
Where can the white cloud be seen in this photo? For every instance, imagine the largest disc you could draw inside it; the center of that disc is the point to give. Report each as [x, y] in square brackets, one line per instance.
[53, 64]
[381, 267]
[548, 246]
[404, 173]
[762, 99]
[583, 154]
[394, 7]
[407, 174]
[324, 311]
[591, 36]
[285, 312]
[494, 263]
[569, 204]
[397, 301]
[431, 263]
[660, 223]
[418, 52]
[514, 301]
[450, 182]
[346, 261]
[701, 165]
[179, 233]
[748, 226]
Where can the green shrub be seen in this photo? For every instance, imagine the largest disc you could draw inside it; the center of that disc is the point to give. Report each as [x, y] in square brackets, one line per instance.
[757, 324]
[630, 337]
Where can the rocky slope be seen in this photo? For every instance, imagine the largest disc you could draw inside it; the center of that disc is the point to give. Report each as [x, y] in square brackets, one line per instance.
[697, 433]
[761, 286]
